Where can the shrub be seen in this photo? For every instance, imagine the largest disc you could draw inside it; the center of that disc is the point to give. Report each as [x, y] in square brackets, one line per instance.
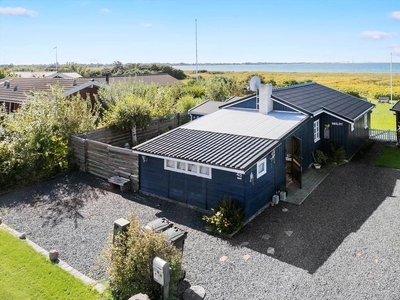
[228, 216]
[320, 157]
[337, 155]
[131, 262]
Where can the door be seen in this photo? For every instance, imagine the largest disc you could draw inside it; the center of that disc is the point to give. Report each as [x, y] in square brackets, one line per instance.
[296, 160]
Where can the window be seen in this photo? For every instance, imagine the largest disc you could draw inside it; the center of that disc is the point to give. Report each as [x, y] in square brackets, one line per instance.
[192, 168]
[181, 165]
[170, 164]
[204, 170]
[316, 131]
[261, 167]
[188, 168]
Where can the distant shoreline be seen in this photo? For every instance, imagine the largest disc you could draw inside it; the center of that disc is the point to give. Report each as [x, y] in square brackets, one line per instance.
[293, 67]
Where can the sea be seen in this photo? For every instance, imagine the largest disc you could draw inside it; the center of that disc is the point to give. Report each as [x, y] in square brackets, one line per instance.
[296, 67]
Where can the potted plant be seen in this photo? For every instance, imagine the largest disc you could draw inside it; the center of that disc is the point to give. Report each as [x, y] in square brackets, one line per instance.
[320, 158]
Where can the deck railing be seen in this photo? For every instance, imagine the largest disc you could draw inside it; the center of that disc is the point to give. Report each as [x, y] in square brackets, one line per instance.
[383, 135]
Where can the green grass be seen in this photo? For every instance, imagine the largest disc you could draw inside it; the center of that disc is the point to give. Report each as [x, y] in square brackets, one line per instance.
[382, 117]
[390, 157]
[26, 274]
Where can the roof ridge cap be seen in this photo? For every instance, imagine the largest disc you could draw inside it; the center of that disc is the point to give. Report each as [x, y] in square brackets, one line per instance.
[294, 86]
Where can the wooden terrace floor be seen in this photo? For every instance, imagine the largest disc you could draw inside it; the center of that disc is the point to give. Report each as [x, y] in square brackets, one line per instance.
[311, 179]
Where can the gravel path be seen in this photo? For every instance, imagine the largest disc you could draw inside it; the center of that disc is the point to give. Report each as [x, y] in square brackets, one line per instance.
[341, 243]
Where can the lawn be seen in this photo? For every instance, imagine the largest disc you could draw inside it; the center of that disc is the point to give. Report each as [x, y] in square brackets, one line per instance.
[390, 158]
[26, 274]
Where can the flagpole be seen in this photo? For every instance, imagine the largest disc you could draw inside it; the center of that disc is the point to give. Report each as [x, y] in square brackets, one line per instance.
[391, 94]
[196, 48]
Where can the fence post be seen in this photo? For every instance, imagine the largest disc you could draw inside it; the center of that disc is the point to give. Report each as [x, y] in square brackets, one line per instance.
[179, 119]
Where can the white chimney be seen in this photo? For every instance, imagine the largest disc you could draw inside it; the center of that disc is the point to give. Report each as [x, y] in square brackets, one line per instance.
[265, 101]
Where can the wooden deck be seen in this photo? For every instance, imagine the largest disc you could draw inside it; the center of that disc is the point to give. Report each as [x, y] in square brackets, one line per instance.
[311, 179]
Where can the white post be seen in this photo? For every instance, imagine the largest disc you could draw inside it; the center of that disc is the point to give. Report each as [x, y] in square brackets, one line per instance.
[391, 94]
[196, 48]
[56, 61]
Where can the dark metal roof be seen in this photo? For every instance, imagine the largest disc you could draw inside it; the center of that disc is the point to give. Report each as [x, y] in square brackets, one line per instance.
[396, 106]
[314, 97]
[218, 149]
[18, 88]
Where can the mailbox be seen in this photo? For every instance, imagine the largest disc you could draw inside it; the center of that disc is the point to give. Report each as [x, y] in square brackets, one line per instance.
[161, 271]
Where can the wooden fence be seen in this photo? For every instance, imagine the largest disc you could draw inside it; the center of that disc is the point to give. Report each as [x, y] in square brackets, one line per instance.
[383, 135]
[100, 152]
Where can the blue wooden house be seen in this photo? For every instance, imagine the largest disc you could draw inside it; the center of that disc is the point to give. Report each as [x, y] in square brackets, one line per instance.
[243, 148]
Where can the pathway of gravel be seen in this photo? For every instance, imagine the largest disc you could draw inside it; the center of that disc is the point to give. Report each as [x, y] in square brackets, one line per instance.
[341, 243]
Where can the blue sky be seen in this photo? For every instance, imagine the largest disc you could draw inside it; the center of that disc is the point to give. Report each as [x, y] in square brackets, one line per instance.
[145, 31]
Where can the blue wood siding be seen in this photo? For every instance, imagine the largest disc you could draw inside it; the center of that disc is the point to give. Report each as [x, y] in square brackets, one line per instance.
[249, 103]
[225, 184]
[188, 189]
[259, 193]
[152, 176]
[281, 107]
[340, 134]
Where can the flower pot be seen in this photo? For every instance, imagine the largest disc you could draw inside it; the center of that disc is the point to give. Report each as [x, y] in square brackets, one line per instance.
[317, 166]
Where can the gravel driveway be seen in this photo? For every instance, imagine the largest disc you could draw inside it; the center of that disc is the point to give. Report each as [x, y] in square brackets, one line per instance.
[341, 243]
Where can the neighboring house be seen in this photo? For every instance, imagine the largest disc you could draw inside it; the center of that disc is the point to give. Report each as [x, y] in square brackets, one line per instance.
[14, 90]
[396, 109]
[243, 148]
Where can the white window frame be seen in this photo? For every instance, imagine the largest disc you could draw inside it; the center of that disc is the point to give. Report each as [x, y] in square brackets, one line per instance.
[316, 128]
[261, 167]
[366, 121]
[190, 168]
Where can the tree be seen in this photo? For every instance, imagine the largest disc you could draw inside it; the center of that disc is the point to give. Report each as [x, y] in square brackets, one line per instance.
[128, 113]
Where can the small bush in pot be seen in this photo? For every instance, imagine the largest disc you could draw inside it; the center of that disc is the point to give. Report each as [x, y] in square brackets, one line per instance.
[228, 216]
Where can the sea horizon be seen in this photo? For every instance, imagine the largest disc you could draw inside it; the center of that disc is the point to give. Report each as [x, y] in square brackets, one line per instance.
[327, 67]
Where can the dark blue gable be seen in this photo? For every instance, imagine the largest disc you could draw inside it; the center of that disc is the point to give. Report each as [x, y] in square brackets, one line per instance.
[249, 103]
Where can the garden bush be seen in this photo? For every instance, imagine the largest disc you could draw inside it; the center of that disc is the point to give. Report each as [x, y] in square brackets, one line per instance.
[228, 216]
[131, 262]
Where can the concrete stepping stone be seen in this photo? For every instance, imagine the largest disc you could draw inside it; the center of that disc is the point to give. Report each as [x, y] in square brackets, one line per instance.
[266, 236]
[271, 250]
[289, 233]
[223, 258]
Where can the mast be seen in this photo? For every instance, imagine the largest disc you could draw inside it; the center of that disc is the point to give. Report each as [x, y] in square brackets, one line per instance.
[391, 94]
[196, 48]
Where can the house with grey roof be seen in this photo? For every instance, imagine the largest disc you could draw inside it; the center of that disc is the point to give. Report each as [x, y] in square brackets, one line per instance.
[250, 147]
[14, 90]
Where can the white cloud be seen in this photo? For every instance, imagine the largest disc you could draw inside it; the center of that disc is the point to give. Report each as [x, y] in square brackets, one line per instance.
[147, 24]
[106, 10]
[377, 35]
[17, 11]
[395, 15]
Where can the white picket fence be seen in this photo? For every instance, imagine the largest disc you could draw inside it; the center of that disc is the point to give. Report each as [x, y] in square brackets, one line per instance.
[383, 135]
